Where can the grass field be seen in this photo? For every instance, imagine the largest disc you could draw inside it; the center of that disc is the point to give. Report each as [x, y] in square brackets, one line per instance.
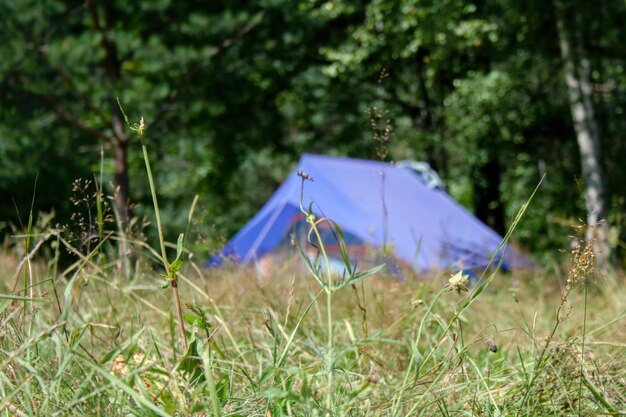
[80, 339]
[90, 343]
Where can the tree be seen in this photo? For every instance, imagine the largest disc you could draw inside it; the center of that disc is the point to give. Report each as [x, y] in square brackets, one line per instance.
[577, 78]
[68, 64]
[234, 92]
[177, 65]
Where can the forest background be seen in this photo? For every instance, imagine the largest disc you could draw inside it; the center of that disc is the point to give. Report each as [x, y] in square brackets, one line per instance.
[494, 95]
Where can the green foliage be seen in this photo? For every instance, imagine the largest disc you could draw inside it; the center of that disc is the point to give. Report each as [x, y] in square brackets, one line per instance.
[234, 93]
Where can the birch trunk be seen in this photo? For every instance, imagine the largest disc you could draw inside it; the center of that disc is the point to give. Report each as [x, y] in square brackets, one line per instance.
[577, 69]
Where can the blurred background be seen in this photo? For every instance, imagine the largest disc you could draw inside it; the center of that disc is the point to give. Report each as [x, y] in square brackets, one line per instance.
[493, 94]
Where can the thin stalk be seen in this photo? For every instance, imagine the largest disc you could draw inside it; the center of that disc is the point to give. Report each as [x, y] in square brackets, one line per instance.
[190, 215]
[329, 352]
[208, 373]
[155, 203]
[582, 348]
[27, 240]
[329, 315]
[99, 196]
[179, 313]
[542, 355]
[174, 282]
[581, 265]
[385, 215]
[409, 368]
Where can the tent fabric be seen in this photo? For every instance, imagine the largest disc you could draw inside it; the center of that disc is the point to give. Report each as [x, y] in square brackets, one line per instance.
[381, 204]
[425, 172]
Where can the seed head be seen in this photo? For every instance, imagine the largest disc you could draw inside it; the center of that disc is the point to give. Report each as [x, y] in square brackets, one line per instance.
[305, 176]
[373, 379]
[491, 345]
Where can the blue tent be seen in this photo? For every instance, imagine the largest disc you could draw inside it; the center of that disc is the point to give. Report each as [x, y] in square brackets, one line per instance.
[376, 204]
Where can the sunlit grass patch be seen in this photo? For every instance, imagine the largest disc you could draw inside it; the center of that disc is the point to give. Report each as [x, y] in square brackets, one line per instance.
[117, 352]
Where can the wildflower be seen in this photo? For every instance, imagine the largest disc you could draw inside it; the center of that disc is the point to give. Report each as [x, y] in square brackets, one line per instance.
[139, 128]
[138, 357]
[457, 282]
[416, 303]
[119, 367]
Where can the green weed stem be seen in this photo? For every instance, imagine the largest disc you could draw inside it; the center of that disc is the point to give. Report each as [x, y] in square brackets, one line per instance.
[140, 129]
[329, 317]
[166, 265]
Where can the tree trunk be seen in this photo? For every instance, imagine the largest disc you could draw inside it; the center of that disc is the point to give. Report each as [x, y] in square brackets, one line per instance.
[577, 69]
[119, 140]
[488, 205]
[424, 119]
[122, 193]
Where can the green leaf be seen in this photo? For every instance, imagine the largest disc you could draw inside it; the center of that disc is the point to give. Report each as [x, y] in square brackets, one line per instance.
[122, 110]
[361, 276]
[176, 266]
[274, 392]
[191, 319]
[312, 268]
[179, 246]
[343, 248]
[67, 305]
[207, 362]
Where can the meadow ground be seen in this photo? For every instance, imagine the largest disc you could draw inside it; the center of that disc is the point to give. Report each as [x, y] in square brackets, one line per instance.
[94, 344]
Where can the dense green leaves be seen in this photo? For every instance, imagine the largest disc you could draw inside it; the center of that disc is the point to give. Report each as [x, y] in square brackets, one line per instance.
[233, 93]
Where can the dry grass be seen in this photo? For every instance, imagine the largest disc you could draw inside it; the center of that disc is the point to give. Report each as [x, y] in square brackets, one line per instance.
[381, 327]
